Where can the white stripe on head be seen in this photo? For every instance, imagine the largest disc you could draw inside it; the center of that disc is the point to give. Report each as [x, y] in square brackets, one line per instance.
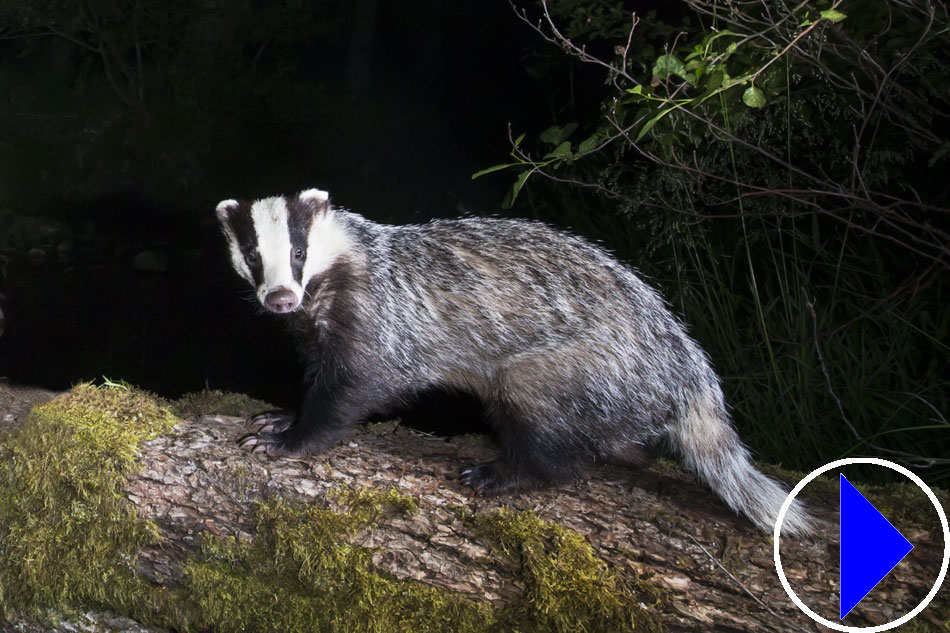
[224, 208]
[273, 242]
[326, 243]
[313, 195]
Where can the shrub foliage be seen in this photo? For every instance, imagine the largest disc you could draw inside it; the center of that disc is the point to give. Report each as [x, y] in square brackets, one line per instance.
[774, 167]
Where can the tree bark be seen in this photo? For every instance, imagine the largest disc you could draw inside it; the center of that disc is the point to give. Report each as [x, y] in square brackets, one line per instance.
[655, 525]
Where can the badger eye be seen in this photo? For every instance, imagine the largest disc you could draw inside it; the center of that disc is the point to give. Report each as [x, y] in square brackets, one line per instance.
[251, 258]
[298, 253]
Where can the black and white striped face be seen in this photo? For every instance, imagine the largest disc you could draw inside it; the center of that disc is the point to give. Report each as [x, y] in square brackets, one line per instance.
[278, 244]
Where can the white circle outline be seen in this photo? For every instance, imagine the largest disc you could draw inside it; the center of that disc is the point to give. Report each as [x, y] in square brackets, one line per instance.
[846, 462]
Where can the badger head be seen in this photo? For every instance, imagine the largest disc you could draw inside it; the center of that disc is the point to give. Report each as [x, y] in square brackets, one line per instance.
[279, 244]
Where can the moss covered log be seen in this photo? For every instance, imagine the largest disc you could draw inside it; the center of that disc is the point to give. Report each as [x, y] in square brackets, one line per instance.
[72, 541]
[109, 503]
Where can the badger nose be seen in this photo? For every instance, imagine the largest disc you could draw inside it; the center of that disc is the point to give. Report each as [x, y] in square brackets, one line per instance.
[280, 300]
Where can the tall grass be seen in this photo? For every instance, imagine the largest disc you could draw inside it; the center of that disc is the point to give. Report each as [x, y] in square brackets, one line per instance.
[816, 363]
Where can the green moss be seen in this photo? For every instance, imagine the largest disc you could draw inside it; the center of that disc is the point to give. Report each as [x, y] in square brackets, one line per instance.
[366, 504]
[70, 541]
[920, 625]
[68, 538]
[214, 401]
[300, 574]
[905, 503]
[567, 588]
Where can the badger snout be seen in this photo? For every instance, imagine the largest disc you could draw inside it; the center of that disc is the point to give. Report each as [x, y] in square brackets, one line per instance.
[281, 300]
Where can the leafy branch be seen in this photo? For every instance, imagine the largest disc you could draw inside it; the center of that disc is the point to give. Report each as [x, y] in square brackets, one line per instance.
[742, 50]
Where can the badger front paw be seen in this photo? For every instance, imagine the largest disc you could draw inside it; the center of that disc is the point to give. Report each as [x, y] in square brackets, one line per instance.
[273, 444]
[282, 434]
[276, 421]
[271, 434]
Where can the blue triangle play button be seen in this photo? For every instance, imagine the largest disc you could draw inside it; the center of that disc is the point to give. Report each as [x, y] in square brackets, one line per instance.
[870, 546]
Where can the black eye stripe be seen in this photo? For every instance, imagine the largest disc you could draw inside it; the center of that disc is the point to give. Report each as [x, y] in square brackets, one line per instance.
[299, 220]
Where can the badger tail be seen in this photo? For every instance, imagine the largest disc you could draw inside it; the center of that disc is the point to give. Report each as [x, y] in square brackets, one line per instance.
[711, 448]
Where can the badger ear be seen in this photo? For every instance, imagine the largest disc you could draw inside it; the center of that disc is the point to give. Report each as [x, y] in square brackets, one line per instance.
[317, 198]
[224, 208]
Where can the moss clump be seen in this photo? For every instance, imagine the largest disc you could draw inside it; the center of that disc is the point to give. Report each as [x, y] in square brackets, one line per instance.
[215, 401]
[367, 504]
[68, 537]
[567, 588]
[301, 574]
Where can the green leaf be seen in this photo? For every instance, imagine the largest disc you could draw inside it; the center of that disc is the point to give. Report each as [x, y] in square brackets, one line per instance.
[667, 65]
[649, 124]
[567, 130]
[730, 49]
[561, 151]
[519, 139]
[491, 169]
[713, 80]
[636, 90]
[753, 97]
[588, 144]
[516, 189]
[551, 135]
[555, 135]
[832, 15]
[713, 86]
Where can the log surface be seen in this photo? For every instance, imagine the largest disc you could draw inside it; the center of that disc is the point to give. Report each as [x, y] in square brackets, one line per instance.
[655, 524]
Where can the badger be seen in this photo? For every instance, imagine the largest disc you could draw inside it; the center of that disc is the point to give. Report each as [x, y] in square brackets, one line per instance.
[575, 358]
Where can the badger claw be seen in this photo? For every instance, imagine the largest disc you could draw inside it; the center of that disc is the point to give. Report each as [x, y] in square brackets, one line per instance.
[268, 443]
[272, 421]
[497, 477]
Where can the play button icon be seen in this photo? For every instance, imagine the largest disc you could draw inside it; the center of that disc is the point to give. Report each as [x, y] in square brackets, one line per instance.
[870, 546]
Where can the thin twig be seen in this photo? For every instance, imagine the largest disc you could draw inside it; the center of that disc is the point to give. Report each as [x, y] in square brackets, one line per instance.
[739, 583]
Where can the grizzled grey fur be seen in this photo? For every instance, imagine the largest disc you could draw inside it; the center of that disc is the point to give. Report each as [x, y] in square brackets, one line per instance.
[576, 359]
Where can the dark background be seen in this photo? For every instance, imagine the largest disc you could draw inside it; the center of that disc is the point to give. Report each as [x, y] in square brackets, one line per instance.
[391, 108]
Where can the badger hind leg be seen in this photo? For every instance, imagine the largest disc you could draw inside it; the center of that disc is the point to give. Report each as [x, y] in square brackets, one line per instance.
[532, 407]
